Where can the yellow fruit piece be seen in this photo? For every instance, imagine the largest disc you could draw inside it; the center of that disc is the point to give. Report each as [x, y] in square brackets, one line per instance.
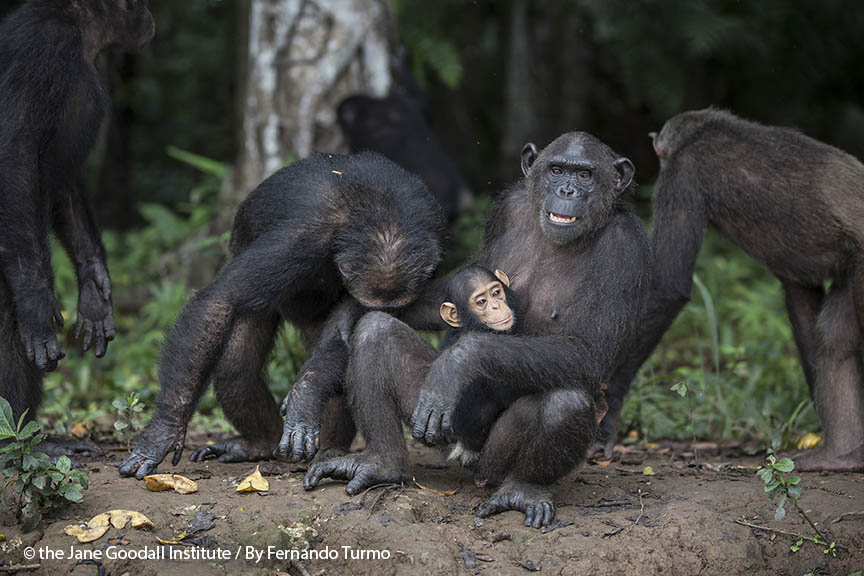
[176, 482]
[169, 542]
[809, 441]
[648, 471]
[255, 482]
[97, 526]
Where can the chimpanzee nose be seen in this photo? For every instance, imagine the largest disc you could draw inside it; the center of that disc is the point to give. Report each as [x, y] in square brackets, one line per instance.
[566, 192]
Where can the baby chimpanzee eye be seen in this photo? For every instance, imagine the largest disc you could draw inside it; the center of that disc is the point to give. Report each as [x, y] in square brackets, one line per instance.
[496, 292]
[481, 302]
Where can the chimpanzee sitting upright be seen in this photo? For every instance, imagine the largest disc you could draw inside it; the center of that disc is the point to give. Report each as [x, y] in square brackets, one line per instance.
[579, 263]
[316, 244]
[797, 206]
[477, 300]
[52, 101]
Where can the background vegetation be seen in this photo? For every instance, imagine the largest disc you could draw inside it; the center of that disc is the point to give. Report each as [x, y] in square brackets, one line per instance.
[616, 68]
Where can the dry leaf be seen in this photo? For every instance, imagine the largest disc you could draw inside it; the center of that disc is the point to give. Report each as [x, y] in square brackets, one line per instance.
[648, 471]
[81, 429]
[438, 492]
[255, 482]
[162, 482]
[97, 526]
[809, 441]
[168, 542]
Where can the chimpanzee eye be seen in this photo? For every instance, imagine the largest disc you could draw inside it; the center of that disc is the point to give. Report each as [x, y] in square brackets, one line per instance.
[481, 302]
[496, 292]
[584, 174]
[556, 170]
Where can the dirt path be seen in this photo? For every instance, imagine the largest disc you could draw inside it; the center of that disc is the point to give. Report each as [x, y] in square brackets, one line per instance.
[612, 520]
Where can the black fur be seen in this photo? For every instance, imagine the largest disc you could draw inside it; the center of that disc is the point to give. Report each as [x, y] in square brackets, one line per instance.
[52, 100]
[797, 206]
[580, 293]
[316, 244]
[395, 127]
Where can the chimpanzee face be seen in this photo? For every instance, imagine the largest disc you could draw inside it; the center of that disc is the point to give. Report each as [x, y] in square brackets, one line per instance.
[125, 23]
[385, 267]
[574, 184]
[477, 301]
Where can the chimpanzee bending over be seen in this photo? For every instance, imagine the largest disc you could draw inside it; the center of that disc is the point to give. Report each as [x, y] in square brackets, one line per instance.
[797, 206]
[316, 244]
[52, 100]
[578, 262]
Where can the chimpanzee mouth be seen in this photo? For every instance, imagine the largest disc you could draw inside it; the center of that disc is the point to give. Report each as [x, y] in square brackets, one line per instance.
[504, 321]
[559, 219]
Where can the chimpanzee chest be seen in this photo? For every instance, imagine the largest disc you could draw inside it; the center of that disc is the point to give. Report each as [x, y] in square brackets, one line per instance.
[316, 298]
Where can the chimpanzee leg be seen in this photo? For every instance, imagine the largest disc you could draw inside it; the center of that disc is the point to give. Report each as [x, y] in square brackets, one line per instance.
[337, 429]
[387, 366]
[536, 441]
[20, 379]
[803, 304]
[838, 387]
[240, 383]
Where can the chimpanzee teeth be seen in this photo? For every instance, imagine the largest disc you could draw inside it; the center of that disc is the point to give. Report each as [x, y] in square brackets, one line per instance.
[562, 219]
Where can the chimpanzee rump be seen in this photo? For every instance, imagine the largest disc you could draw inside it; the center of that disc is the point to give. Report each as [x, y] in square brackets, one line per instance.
[797, 206]
[579, 264]
[316, 244]
[52, 100]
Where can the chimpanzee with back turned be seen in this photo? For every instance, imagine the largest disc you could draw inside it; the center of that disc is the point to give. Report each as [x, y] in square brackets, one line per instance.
[579, 263]
[797, 206]
[316, 244]
[52, 100]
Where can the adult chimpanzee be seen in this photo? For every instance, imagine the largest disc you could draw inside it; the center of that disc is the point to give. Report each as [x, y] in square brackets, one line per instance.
[315, 244]
[52, 101]
[395, 127]
[797, 206]
[578, 262]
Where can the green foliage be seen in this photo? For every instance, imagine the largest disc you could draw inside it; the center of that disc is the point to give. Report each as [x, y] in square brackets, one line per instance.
[128, 421]
[779, 485]
[426, 42]
[39, 484]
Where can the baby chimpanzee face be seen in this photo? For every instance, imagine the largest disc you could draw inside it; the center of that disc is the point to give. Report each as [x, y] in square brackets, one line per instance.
[477, 300]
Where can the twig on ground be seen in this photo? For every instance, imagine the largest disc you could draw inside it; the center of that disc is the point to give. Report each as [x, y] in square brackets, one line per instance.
[786, 532]
[848, 516]
[20, 568]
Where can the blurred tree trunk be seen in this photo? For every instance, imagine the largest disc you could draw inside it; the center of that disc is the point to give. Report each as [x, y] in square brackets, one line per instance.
[302, 57]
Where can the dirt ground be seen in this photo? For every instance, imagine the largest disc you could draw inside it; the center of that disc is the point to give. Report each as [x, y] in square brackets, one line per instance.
[612, 519]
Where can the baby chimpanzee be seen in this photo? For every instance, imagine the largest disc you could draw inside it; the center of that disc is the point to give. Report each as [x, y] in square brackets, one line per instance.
[478, 300]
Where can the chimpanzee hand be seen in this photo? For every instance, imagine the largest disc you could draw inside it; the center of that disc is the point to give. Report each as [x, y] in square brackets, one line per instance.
[302, 426]
[95, 316]
[433, 417]
[156, 441]
[38, 320]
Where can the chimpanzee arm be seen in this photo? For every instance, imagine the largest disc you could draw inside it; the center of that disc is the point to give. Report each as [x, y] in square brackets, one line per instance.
[76, 228]
[25, 253]
[268, 272]
[679, 222]
[424, 313]
[320, 379]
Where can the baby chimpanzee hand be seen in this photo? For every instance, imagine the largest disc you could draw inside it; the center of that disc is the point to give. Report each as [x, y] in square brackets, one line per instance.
[95, 316]
[38, 320]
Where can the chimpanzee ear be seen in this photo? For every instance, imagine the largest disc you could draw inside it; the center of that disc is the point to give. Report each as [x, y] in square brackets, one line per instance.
[450, 314]
[625, 169]
[529, 155]
[502, 277]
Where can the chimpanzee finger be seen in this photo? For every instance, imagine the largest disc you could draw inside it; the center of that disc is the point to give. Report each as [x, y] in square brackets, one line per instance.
[490, 507]
[41, 356]
[359, 483]
[433, 430]
[52, 349]
[284, 444]
[529, 515]
[108, 327]
[100, 346]
[317, 472]
[178, 453]
[146, 468]
[421, 419]
[79, 325]
[88, 335]
[297, 444]
[548, 513]
[58, 315]
[311, 445]
[29, 349]
[105, 286]
[446, 424]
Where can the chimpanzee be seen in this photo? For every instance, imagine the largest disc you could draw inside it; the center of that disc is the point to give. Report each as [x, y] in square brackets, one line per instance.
[477, 300]
[579, 264]
[316, 244]
[395, 127]
[52, 100]
[797, 206]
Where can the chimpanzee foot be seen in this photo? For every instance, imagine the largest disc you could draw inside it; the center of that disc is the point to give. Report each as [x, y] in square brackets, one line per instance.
[535, 501]
[157, 440]
[361, 470]
[821, 459]
[606, 436]
[237, 450]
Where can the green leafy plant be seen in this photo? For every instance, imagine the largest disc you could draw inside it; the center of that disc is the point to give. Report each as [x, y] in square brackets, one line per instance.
[780, 484]
[128, 421]
[39, 484]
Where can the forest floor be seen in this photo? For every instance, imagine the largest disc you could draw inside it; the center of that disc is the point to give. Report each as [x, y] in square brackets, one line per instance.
[612, 519]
